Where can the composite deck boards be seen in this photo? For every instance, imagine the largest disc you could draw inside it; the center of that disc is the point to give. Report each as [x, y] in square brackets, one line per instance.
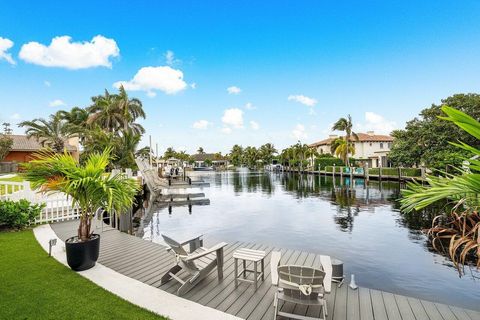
[147, 262]
[404, 307]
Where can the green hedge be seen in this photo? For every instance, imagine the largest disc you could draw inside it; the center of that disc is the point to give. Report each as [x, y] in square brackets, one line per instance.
[322, 163]
[19, 214]
[411, 172]
[330, 169]
[406, 172]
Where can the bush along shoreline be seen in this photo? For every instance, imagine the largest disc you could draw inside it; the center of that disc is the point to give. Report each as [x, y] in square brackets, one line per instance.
[16, 215]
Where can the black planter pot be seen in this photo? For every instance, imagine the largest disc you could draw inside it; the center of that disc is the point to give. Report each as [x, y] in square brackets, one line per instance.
[82, 255]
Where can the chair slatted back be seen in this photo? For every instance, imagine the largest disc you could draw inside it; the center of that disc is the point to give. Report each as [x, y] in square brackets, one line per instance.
[180, 252]
[292, 277]
[175, 246]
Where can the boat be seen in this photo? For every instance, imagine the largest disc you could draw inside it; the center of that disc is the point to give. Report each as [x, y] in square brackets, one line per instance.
[203, 169]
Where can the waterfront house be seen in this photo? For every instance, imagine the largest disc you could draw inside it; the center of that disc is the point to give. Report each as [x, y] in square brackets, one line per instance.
[24, 147]
[202, 160]
[370, 148]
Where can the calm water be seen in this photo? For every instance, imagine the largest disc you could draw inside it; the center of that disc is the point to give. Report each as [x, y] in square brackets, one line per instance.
[346, 220]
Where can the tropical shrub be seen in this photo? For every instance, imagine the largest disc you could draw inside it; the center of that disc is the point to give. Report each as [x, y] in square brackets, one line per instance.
[18, 214]
[321, 163]
[458, 228]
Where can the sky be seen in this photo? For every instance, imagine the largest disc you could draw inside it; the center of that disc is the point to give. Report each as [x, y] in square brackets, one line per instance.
[213, 74]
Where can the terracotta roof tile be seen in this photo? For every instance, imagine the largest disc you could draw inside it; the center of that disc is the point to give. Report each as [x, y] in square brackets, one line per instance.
[362, 137]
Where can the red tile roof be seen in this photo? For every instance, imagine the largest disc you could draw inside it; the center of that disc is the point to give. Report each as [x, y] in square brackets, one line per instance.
[362, 137]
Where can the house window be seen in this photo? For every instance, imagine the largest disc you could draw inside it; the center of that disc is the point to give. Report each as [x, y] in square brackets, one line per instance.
[370, 144]
[381, 145]
[389, 145]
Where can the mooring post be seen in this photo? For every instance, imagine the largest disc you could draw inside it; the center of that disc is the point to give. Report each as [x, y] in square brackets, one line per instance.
[365, 172]
[333, 170]
[399, 173]
[380, 173]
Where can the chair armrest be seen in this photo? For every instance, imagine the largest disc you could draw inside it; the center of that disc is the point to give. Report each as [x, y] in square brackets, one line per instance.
[204, 253]
[326, 262]
[274, 262]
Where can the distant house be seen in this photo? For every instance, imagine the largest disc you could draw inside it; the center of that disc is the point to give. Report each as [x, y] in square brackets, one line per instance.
[23, 148]
[371, 148]
[216, 160]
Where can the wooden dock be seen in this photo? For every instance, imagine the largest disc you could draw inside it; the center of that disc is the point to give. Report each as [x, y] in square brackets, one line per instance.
[147, 262]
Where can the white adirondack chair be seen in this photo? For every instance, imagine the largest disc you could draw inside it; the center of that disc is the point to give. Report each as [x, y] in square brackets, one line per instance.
[196, 269]
[300, 285]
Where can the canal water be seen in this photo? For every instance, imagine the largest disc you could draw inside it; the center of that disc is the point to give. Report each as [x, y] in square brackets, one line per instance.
[348, 220]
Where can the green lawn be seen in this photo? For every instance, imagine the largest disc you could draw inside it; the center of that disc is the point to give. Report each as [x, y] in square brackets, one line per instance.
[34, 286]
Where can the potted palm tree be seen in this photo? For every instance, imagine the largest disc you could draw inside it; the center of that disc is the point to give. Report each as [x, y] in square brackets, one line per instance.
[90, 187]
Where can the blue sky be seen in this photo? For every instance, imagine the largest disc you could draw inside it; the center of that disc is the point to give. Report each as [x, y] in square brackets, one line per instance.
[299, 65]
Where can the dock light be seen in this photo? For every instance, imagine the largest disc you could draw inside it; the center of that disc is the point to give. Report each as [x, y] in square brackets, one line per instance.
[51, 243]
[352, 284]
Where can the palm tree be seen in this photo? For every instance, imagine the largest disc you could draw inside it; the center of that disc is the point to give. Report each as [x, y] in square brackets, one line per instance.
[105, 113]
[88, 185]
[200, 150]
[267, 152]
[131, 110]
[342, 149]
[169, 153]
[51, 133]
[301, 153]
[346, 125]
[236, 155]
[312, 153]
[124, 149]
[144, 153]
[77, 116]
[78, 119]
[250, 155]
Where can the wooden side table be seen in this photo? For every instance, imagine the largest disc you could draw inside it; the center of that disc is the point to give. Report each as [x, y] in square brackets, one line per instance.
[250, 255]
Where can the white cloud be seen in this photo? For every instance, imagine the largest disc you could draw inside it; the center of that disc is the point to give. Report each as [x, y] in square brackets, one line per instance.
[57, 103]
[170, 58]
[310, 102]
[201, 124]
[377, 123]
[226, 130]
[234, 90]
[299, 132]
[254, 125]
[233, 117]
[15, 116]
[63, 53]
[148, 79]
[5, 45]
[47, 83]
[249, 106]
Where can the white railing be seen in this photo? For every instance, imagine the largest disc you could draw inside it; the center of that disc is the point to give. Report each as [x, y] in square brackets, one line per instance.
[15, 190]
[58, 206]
